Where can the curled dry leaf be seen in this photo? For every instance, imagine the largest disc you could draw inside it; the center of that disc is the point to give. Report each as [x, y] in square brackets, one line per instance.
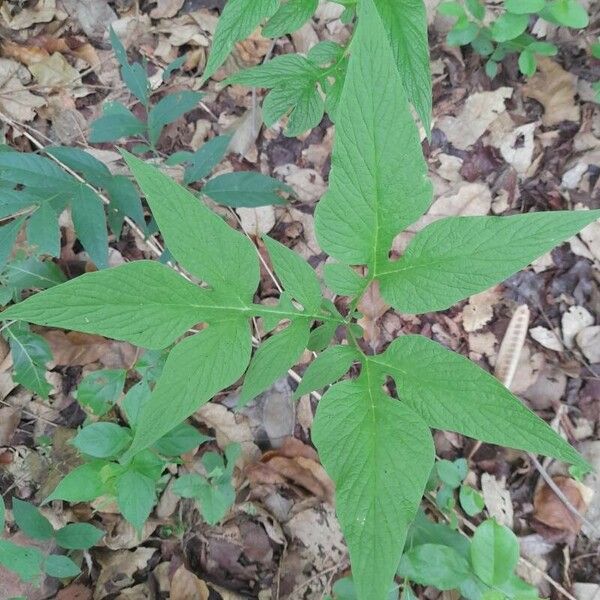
[555, 89]
[186, 586]
[550, 510]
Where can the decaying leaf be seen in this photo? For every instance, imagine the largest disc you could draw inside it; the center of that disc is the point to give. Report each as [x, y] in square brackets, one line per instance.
[15, 100]
[555, 89]
[186, 586]
[511, 346]
[550, 510]
[573, 321]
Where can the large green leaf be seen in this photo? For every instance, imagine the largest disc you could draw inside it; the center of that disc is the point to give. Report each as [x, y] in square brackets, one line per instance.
[142, 302]
[378, 181]
[405, 23]
[238, 20]
[136, 497]
[196, 369]
[459, 256]
[450, 392]
[379, 454]
[199, 239]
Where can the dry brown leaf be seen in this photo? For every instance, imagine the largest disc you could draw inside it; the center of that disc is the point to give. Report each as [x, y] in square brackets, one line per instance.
[9, 421]
[165, 9]
[550, 510]
[555, 89]
[497, 499]
[15, 100]
[573, 321]
[55, 72]
[75, 348]
[28, 55]
[588, 340]
[257, 221]
[75, 591]
[186, 586]
[118, 568]
[547, 338]
[41, 12]
[477, 114]
[480, 310]
[307, 184]
[94, 16]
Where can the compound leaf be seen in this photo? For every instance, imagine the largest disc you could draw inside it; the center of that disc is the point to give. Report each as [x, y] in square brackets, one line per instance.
[238, 20]
[376, 191]
[379, 453]
[273, 358]
[245, 189]
[297, 276]
[142, 302]
[196, 369]
[342, 279]
[8, 236]
[43, 230]
[169, 109]
[199, 239]
[328, 367]
[459, 256]
[452, 393]
[206, 158]
[405, 24]
[290, 16]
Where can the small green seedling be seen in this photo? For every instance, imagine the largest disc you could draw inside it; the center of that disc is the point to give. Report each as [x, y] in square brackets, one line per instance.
[507, 33]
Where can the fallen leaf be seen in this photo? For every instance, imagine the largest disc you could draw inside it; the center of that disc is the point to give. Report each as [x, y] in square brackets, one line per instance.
[547, 338]
[478, 113]
[512, 345]
[15, 100]
[555, 89]
[118, 568]
[165, 9]
[41, 12]
[550, 510]
[10, 418]
[573, 321]
[94, 16]
[591, 452]
[497, 499]
[186, 586]
[307, 184]
[55, 72]
[588, 340]
[479, 310]
[257, 221]
[372, 306]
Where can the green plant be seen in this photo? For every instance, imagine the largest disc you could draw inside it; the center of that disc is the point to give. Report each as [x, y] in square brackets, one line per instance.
[214, 493]
[377, 447]
[504, 34]
[29, 562]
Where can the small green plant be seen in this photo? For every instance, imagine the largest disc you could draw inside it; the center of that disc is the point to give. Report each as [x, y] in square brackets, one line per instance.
[29, 562]
[214, 493]
[505, 34]
[375, 444]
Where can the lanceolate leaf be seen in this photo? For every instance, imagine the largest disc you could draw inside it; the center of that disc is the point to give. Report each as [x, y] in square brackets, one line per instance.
[379, 454]
[116, 122]
[245, 189]
[459, 256]
[376, 191]
[89, 220]
[238, 20]
[8, 235]
[452, 393]
[199, 239]
[405, 24]
[195, 371]
[328, 367]
[142, 302]
[273, 358]
[298, 277]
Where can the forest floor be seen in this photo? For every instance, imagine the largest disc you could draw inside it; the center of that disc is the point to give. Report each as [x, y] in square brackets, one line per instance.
[498, 147]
